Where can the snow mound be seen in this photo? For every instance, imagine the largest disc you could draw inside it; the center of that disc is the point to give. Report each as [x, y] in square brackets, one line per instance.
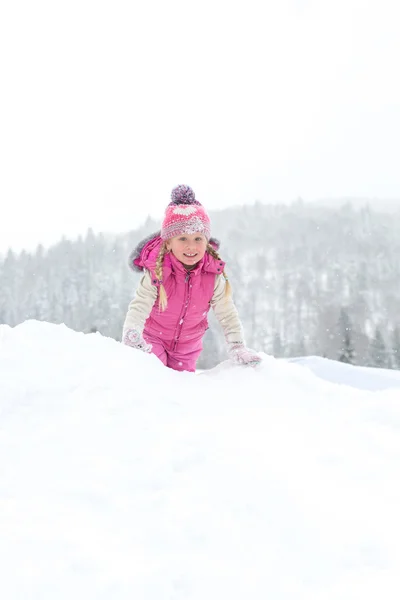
[363, 378]
[122, 479]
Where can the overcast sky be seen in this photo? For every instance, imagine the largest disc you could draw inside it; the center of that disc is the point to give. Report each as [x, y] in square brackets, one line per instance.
[105, 106]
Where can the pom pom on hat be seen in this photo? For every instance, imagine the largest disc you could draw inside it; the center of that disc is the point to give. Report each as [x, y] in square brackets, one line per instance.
[183, 194]
[184, 214]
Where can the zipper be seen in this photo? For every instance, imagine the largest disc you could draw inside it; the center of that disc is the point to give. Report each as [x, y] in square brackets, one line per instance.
[178, 328]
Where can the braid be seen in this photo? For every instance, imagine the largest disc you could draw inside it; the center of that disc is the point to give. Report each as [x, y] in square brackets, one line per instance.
[214, 254]
[163, 300]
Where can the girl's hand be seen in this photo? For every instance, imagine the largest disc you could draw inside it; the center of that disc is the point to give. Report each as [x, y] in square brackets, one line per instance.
[134, 338]
[241, 355]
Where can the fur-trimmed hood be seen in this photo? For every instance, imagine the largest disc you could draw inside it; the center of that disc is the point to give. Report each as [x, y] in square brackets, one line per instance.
[145, 254]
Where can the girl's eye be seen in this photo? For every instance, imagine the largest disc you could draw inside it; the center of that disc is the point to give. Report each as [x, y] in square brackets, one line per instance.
[199, 239]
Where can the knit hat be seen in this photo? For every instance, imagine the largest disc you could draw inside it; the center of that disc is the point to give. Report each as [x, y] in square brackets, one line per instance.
[184, 214]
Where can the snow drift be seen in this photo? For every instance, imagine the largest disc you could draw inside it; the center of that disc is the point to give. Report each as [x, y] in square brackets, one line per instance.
[121, 479]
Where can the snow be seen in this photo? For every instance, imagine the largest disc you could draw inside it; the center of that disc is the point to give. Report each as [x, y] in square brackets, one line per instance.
[122, 479]
[363, 378]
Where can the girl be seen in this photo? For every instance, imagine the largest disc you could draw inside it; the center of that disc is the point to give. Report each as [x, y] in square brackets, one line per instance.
[183, 277]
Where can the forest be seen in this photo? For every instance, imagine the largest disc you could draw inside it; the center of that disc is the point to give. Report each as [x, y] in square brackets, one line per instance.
[307, 279]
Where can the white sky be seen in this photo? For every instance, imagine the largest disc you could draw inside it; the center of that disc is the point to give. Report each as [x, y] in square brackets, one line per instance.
[105, 106]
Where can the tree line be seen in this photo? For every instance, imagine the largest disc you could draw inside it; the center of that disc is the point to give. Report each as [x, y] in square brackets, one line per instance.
[307, 280]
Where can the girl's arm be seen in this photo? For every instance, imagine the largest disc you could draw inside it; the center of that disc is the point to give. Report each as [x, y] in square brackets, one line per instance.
[138, 311]
[227, 314]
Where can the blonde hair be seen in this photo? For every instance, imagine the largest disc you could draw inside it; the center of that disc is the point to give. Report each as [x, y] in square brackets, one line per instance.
[163, 299]
[214, 254]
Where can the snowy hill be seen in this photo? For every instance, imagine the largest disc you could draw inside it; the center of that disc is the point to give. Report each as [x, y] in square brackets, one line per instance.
[306, 280]
[120, 479]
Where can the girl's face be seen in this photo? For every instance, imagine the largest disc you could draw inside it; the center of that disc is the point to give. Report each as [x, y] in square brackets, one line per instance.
[188, 248]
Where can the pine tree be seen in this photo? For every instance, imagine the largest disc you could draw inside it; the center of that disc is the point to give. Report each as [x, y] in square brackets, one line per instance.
[278, 350]
[346, 351]
[396, 348]
[377, 352]
[299, 348]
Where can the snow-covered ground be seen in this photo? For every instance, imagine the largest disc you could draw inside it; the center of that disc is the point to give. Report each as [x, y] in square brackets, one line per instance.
[121, 479]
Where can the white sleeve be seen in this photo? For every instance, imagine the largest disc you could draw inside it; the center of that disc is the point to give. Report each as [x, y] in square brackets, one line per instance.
[226, 312]
[141, 305]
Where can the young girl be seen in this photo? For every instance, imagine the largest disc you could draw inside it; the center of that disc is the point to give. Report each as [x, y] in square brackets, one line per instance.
[183, 277]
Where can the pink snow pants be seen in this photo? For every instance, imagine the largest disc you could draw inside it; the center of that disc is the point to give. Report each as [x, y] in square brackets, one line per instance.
[183, 359]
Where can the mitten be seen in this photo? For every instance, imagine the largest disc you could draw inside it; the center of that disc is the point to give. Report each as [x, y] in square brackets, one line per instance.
[241, 355]
[134, 338]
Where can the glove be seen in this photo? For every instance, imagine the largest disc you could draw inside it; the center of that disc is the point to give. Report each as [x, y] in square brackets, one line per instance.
[134, 338]
[240, 355]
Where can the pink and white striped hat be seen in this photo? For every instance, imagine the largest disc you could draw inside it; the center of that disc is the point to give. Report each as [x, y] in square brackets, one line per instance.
[184, 214]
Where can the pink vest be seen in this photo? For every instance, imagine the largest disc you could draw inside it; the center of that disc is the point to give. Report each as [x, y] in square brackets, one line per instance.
[189, 294]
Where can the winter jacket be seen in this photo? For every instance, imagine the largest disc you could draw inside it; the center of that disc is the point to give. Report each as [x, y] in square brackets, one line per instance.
[190, 294]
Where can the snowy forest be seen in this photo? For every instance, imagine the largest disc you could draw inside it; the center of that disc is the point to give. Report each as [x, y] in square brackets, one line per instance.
[307, 279]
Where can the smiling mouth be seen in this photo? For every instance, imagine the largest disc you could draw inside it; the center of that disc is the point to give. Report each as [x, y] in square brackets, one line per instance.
[190, 255]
